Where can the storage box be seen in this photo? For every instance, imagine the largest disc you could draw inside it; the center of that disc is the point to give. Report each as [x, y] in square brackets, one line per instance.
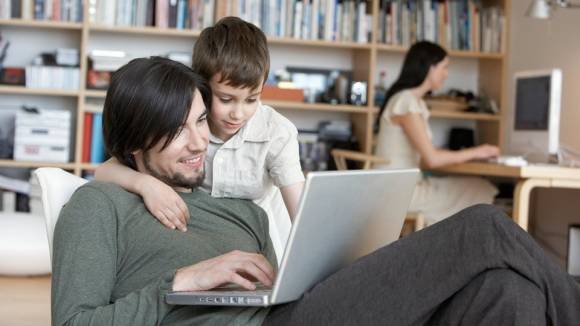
[446, 104]
[270, 92]
[42, 135]
[43, 153]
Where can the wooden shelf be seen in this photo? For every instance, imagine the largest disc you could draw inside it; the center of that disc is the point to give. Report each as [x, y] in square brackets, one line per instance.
[27, 164]
[146, 30]
[465, 115]
[95, 93]
[41, 24]
[452, 53]
[37, 91]
[318, 43]
[88, 166]
[299, 106]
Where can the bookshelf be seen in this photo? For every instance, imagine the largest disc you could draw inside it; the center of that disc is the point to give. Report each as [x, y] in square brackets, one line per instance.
[492, 70]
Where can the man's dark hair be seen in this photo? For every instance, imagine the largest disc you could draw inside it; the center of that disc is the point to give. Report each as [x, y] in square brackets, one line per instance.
[234, 48]
[148, 99]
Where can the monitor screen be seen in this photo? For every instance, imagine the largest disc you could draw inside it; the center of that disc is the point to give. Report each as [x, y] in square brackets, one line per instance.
[532, 103]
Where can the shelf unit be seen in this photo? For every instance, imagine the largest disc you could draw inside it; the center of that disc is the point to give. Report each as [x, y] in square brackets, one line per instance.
[491, 77]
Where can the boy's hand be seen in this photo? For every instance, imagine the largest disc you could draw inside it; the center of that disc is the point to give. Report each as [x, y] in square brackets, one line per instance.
[164, 203]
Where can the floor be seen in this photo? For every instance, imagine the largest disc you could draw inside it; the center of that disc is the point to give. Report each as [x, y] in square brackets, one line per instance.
[25, 301]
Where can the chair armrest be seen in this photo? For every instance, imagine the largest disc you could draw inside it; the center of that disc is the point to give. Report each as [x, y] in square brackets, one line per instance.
[341, 155]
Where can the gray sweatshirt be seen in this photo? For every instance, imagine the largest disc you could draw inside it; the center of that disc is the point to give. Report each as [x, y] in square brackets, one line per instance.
[113, 262]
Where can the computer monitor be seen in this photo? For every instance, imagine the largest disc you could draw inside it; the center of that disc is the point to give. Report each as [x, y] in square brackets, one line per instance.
[536, 115]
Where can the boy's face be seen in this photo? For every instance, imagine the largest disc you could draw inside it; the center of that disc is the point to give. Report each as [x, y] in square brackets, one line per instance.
[231, 107]
[180, 164]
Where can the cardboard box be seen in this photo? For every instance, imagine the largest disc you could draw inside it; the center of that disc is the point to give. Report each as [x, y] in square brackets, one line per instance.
[282, 94]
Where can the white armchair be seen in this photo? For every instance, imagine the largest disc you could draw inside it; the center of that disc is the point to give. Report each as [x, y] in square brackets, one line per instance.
[57, 186]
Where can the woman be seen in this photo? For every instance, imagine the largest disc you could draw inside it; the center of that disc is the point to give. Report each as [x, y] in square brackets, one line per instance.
[405, 138]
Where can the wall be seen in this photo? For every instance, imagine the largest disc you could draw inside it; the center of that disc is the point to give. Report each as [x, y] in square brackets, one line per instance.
[541, 44]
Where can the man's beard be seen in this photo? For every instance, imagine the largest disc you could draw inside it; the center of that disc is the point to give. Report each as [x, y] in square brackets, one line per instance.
[176, 180]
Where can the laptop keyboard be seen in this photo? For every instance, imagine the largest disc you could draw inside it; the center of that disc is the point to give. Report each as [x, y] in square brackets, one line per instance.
[234, 289]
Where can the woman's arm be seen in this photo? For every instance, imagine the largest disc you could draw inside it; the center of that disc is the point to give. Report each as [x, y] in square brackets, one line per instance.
[160, 199]
[432, 157]
[291, 195]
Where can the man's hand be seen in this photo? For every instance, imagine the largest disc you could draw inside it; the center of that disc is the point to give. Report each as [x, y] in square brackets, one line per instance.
[238, 267]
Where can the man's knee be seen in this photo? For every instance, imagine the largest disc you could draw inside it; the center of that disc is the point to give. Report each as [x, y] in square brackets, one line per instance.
[482, 215]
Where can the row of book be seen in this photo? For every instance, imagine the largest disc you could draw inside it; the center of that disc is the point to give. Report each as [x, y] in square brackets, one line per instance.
[52, 77]
[55, 10]
[455, 24]
[330, 20]
[180, 14]
[93, 143]
[19, 192]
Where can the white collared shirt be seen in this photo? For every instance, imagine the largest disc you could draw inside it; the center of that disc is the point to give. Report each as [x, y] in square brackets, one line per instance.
[263, 152]
[253, 164]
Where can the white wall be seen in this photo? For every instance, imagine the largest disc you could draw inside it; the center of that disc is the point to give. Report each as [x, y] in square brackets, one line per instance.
[538, 44]
[544, 44]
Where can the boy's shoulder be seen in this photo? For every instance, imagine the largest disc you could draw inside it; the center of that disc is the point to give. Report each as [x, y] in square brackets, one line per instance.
[275, 122]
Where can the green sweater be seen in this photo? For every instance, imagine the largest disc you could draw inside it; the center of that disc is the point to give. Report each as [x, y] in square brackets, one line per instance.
[113, 262]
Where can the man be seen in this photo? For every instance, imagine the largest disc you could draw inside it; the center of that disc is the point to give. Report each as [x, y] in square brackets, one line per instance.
[113, 262]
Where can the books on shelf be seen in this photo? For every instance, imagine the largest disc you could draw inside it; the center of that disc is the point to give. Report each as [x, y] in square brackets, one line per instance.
[10, 9]
[330, 20]
[93, 143]
[180, 14]
[52, 77]
[53, 10]
[42, 135]
[455, 24]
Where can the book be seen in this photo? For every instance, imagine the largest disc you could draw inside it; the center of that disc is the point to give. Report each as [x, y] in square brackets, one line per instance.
[87, 137]
[97, 141]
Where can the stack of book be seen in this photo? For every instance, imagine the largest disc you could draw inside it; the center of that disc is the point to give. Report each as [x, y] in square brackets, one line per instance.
[55, 10]
[181, 14]
[52, 77]
[330, 20]
[42, 135]
[455, 24]
[93, 142]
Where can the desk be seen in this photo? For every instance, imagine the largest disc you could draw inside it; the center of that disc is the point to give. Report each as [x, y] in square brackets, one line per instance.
[529, 177]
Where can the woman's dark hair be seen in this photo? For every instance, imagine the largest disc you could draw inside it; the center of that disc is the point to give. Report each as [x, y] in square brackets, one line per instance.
[148, 99]
[420, 57]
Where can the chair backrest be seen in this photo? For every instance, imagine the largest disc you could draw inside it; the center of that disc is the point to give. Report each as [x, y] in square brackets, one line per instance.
[57, 186]
[341, 156]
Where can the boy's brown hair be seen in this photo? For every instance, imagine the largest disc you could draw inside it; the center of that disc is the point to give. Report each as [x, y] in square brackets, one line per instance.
[235, 49]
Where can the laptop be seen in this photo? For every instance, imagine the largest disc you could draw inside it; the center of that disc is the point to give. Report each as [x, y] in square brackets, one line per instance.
[342, 215]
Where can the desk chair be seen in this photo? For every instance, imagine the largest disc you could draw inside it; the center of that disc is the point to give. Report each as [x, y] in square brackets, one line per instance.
[57, 186]
[341, 157]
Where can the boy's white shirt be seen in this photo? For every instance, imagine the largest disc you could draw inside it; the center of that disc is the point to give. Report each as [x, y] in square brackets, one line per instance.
[260, 158]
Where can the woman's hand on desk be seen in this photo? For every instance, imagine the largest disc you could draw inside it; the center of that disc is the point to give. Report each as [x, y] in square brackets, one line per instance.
[484, 151]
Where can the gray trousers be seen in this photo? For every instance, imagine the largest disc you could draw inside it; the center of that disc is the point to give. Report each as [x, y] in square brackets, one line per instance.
[474, 268]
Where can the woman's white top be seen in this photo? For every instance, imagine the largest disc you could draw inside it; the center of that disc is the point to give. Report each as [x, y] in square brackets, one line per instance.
[435, 197]
[392, 142]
